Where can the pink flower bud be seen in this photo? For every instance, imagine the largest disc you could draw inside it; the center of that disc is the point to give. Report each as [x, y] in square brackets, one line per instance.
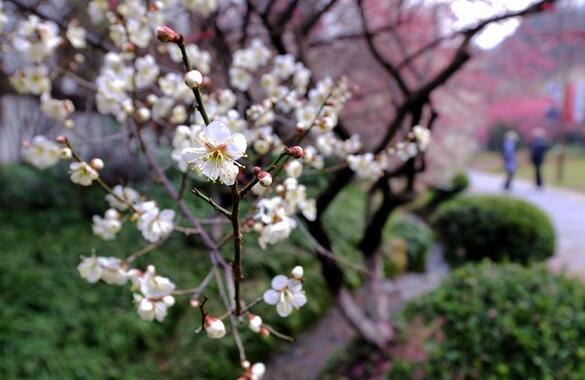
[167, 34]
[295, 151]
[61, 139]
[265, 179]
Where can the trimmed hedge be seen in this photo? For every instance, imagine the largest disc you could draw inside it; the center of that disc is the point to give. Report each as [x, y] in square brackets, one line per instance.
[504, 322]
[494, 227]
[415, 237]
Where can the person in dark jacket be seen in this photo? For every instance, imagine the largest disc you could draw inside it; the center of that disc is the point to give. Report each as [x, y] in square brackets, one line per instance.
[509, 155]
[538, 149]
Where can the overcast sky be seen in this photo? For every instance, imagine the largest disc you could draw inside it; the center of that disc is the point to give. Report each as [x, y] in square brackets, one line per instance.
[469, 12]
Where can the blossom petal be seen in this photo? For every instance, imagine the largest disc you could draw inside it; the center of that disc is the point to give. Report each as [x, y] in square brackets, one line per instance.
[236, 145]
[167, 215]
[191, 154]
[284, 309]
[228, 174]
[217, 133]
[298, 300]
[271, 297]
[279, 282]
[295, 285]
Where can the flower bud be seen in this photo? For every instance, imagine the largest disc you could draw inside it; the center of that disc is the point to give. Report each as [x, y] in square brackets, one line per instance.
[96, 163]
[214, 327]
[295, 151]
[66, 153]
[255, 322]
[246, 364]
[167, 34]
[265, 179]
[264, 331]
[194, 302]
[193, 79]
[61, 139]
[143, 114]
[69, 123]
[297, 272]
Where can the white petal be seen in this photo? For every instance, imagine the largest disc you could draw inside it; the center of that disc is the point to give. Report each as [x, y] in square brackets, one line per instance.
[271, 297]
[279, 282]
[228, 174]
[211, 169]
[191, 154]
[217, 133]
[295, 285]
[299, 300]
[167, 215]
[236, 145]
[284, 309]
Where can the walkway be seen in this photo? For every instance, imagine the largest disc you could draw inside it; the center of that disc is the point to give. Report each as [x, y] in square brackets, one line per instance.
[567, 209]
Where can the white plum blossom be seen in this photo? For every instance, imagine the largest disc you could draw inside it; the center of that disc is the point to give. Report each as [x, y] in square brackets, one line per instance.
[127, 194]
[154, 224]
[156, 295]
[108, 226]
[76, 35]
[276, 224]
[36, 39]
[216, 152]
[287, 294]
[146, 71]
[240, 78]
[41, 152]
[150, 310]
[204, 7]
[284, 66]
[113, 270]
[422, 136]
[32, 80]
[56, 109]
[90, 269]
[82, 173]
[365, 166]
[294, 169]
[109, 269]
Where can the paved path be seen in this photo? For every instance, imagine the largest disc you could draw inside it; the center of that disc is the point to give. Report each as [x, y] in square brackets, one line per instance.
[567, 209]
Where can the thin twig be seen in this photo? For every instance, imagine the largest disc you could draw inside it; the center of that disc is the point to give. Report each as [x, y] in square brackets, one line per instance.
[213, 204]
[237, 264]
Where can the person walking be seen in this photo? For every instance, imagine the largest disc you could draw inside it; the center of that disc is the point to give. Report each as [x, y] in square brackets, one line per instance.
[538, 149]
[509, 156]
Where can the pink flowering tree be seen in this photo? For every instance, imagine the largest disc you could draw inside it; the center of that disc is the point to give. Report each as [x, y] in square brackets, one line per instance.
[249, 96]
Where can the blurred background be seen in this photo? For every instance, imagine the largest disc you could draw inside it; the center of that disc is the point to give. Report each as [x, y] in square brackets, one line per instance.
[514, 112]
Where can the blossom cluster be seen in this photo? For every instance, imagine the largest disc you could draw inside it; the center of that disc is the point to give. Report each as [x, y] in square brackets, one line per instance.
[268, 144]
[371, 166]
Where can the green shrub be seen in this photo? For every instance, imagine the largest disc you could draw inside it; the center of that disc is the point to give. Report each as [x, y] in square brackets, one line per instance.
[494, 227]
[505, 322]
[417, 236]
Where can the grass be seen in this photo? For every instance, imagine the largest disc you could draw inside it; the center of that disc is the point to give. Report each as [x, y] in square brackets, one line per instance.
[574, 167]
